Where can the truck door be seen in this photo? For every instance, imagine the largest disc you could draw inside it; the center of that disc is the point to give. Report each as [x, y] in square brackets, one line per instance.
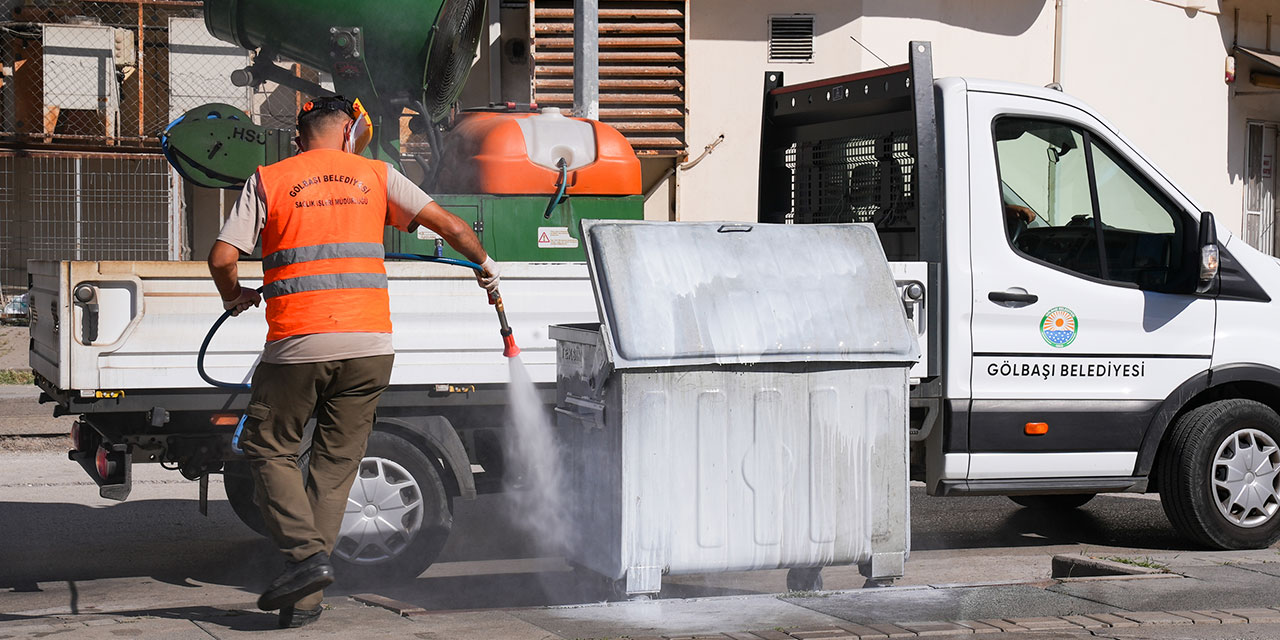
[1084, 314]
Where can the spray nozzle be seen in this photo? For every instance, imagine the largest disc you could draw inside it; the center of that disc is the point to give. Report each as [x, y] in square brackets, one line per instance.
[509, 348]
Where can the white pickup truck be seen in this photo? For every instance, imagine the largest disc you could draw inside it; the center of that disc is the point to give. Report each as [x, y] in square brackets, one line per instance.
[1085, 327]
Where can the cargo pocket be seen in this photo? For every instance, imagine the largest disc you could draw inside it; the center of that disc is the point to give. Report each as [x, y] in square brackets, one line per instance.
[248, 436]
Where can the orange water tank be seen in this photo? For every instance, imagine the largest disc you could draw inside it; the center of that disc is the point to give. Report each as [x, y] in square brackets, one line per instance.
[519, 154]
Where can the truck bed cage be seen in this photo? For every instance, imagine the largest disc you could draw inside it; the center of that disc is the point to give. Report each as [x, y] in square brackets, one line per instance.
[857, 148]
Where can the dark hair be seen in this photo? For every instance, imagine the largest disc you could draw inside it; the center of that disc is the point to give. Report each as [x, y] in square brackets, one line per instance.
[321, 120]
[323, 109]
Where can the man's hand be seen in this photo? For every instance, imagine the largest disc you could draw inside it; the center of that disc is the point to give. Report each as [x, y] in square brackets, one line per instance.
[489, 278]
[1018, 212]
[244, 299]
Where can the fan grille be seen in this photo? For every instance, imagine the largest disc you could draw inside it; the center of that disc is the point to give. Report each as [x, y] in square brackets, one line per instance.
[453, 48]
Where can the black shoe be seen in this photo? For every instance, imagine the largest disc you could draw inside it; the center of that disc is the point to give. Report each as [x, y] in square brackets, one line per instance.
[300, 579]
[291, 618]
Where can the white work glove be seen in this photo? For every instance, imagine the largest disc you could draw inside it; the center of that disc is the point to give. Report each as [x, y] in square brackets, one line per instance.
[244, 299]
[489, 279]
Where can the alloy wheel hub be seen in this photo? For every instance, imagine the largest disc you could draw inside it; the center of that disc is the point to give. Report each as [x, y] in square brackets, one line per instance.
[1245, 476]
[383, 514]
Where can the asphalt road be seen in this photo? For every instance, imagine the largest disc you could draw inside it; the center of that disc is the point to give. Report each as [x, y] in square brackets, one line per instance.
[65, 549]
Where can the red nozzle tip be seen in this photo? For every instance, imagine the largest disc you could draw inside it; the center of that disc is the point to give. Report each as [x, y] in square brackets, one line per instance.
[509, 348]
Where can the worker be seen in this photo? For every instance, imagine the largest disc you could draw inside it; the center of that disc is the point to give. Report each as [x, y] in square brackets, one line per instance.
[320, 216]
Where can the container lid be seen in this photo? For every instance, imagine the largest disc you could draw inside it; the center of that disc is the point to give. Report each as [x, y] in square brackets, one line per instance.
[681, 294]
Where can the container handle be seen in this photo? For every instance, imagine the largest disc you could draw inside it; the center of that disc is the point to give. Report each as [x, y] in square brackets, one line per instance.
[734, 228]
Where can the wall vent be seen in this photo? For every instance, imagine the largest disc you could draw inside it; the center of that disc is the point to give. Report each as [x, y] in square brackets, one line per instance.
[791, 38]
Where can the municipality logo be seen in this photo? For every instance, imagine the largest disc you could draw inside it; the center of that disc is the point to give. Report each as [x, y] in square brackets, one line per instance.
[1059, 327]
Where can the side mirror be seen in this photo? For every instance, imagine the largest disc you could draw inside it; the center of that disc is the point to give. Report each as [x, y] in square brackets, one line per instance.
[1208, 253]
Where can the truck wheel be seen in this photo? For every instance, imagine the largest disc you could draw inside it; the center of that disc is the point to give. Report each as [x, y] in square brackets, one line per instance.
[238, 485]
[1220, 475]
[1058, 502]
[397, 517]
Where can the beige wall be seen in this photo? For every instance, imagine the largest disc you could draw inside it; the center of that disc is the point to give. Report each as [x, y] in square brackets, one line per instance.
[1153, 69]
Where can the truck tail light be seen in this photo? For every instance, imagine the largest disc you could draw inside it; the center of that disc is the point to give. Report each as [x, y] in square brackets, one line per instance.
[76, 434]
[83, 437]
[107, 462]
[1036, 428]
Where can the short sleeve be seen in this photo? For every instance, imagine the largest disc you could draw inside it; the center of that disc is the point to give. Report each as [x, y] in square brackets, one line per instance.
[247, 218]
[404, 200]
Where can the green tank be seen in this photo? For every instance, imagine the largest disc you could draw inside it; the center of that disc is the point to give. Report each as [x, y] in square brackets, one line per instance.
[422, 49]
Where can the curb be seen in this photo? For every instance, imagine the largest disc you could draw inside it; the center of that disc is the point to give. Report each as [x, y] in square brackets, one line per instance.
[1076, 566]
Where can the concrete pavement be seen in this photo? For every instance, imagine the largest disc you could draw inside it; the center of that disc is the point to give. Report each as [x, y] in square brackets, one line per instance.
[1197, 602]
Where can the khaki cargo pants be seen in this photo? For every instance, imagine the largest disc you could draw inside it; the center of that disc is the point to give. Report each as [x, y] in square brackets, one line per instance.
[303, 517]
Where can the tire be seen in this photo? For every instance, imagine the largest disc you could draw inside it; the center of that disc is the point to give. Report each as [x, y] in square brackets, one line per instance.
[1057, 502]
[804, 579]
[402, 557]
[372, 547]
[238, 485]
[1219, 475]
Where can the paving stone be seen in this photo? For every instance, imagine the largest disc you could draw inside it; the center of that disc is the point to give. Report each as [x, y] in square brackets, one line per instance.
[395, 606]
[1003, 625]
[771, 634]
[1224, 618]
[1153, 617]
[935, 628]
[861, 632]
[830, 633]
[891, 630]
[1255, 616]
[718, 636]
[1086, 622]
[1043, 623]
[1111, 620]
[1197, 618]
[979, 627]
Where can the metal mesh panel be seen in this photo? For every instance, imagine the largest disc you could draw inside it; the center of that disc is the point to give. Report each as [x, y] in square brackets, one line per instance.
[96, 73]
[62, 206]
[852, 179]
[13, 279]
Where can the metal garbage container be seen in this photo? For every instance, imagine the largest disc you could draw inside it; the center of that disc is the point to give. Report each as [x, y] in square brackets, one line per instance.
[742, 405]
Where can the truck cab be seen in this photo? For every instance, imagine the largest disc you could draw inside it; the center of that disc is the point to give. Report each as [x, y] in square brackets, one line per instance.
[1086, 327]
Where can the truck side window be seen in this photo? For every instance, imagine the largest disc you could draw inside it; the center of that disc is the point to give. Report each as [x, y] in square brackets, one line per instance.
[1050, 175]
[1044, 184]
[1142, 232]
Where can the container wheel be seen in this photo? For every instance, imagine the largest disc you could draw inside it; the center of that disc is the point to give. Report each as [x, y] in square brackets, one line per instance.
[804, 579]
[1057, 502]
[1219, 475]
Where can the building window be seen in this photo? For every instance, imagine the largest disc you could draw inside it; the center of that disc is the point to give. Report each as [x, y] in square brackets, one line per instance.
[791, 38]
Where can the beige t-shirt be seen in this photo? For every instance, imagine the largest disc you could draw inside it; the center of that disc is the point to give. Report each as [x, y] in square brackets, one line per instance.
[243, 228]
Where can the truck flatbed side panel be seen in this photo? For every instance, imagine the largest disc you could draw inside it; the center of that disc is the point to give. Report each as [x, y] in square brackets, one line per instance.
[152, 316]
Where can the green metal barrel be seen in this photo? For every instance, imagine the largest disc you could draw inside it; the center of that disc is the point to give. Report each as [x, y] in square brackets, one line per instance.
[420, 48]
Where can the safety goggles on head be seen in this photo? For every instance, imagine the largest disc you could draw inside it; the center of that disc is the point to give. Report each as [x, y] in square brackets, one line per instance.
[359, 131]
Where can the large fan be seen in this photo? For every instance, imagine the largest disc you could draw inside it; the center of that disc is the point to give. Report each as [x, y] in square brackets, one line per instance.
[452, 51]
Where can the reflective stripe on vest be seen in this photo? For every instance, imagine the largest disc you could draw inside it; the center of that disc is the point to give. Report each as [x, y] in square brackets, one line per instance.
[285, 257]
[326, 281]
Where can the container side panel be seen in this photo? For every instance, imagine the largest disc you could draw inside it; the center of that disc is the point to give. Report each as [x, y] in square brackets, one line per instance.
[713, 468]
[824, 454]
[767, 467]
[652, 507]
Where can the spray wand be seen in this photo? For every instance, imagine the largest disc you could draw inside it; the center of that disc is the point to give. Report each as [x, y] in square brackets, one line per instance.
[509, 348]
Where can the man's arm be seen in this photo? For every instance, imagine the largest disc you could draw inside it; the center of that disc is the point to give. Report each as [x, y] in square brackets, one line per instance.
[459, 235]
[224, 267]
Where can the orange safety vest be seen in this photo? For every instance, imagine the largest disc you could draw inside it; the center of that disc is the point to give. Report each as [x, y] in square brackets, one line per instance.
[322, 245]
